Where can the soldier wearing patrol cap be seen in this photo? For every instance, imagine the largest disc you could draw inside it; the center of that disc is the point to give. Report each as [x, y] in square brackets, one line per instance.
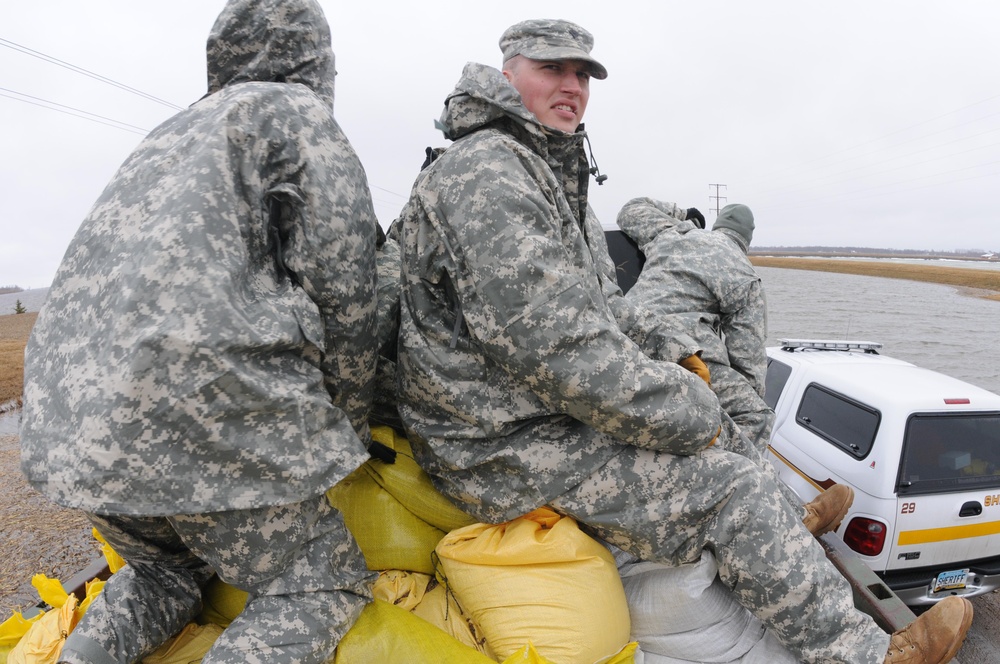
[201, 372]
[520, 384]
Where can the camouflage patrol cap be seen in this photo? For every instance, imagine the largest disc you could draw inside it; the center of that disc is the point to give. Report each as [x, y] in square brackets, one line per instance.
[551, 39]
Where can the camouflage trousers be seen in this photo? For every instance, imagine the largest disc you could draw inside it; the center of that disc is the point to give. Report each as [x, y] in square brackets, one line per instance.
[746, 419]
[306, 578]
[742, 403]
[668, 508]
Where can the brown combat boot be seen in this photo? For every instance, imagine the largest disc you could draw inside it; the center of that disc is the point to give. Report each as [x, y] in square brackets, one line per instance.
[828, 509]
[934, 637]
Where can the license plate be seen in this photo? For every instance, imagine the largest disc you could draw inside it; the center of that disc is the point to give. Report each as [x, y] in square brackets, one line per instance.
[953, 580]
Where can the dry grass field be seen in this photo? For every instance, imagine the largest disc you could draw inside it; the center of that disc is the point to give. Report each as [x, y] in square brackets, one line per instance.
[986, 280]
[14, 331]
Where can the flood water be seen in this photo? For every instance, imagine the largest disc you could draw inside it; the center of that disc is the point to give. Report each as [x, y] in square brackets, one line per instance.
[938, 327]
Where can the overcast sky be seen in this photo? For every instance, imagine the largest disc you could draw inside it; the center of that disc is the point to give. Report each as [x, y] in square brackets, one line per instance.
[868, 123]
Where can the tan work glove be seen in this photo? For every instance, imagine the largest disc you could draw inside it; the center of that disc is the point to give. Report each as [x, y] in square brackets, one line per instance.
[695, 365]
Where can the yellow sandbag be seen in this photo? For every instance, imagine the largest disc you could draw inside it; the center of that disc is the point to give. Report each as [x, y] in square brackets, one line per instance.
[626, 656]
[44, 640]
[115, 562]
[528, 655]
[94, 587]
[389, 535]
[423, 596]
[401, 588]
[407, 482]
[221, 602]
[12, 629]
[538, 579]
[189, 645]
[51, 592]
[387, 633]
[441, 609]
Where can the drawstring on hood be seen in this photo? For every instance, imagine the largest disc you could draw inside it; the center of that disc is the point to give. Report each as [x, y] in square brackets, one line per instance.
[594, 169]
[483, 96]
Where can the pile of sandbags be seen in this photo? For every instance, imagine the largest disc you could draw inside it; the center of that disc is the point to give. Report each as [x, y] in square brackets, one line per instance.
[534, 590]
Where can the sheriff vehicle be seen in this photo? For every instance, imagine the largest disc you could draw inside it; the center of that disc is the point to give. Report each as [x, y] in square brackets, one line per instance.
[920, 449]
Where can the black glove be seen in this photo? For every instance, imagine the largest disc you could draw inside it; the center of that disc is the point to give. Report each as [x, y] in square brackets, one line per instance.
[695, 216]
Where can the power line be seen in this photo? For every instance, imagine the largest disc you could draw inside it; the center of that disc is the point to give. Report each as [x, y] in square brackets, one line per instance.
[69, 110]
[118, 124]
[389, 191]
[85, 72]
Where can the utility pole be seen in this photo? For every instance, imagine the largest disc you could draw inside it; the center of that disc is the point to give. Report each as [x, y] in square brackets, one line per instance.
[716, 198]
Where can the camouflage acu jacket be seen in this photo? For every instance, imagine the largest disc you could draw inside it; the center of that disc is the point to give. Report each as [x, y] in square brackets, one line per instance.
[209, 340]
[508, 343]
[703, 282]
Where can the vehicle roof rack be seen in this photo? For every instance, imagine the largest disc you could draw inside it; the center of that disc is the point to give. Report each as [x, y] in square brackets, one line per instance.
[872, 347]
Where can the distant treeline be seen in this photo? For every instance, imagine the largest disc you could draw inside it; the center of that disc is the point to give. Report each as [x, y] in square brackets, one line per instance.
[10, 289]
[970, 254]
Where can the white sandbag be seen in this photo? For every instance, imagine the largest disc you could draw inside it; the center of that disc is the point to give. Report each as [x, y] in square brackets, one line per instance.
[765, 651]
[683, 614]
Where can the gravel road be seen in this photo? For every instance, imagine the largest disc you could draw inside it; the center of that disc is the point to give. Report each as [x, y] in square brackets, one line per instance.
[37, 536]
[40, 537]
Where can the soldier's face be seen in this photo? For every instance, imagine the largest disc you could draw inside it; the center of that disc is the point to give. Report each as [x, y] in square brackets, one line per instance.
[556, 91]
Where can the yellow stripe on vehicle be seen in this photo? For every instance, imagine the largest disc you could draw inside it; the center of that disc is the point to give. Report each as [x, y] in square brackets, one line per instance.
[931, 535]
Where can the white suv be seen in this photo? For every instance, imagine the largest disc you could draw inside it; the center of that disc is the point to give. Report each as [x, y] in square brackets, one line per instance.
[920, 449]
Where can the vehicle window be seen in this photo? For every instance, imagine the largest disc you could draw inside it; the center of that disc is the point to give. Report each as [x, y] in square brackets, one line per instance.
[846, 423]
[774, 381]
[950, 453]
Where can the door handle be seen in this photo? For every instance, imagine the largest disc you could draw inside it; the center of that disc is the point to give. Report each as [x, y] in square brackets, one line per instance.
[971, 508]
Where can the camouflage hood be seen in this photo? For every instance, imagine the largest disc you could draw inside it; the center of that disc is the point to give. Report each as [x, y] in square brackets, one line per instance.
[481, 97]
[484, 98]
[644, 219]
[280, 41]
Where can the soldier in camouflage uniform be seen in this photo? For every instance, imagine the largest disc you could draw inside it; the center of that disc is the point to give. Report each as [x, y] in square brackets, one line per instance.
[201, 372]
[704, 283]
[519, 388]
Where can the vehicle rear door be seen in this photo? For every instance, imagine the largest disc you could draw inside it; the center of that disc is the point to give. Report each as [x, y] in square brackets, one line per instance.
[948, 490]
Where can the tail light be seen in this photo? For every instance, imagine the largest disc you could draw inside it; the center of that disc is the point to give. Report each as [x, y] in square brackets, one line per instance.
[866, 536]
